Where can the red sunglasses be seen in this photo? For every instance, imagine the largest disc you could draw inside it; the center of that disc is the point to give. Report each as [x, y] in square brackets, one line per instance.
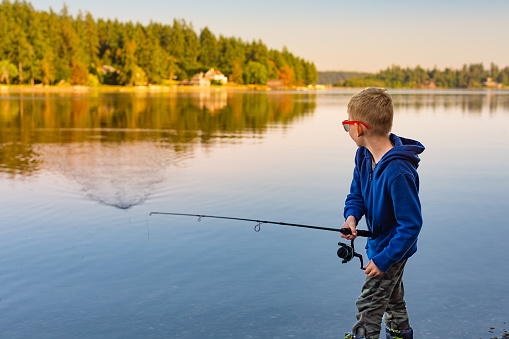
[347, 123]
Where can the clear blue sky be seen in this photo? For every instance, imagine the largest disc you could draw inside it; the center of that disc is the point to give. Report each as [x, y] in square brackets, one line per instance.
[366, 35]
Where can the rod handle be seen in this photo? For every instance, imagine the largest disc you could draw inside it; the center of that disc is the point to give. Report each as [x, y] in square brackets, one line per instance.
[360, 233]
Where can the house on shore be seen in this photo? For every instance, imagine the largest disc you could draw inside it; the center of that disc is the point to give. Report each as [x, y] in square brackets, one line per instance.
[429, 84]
[491, 83]
[204, 79]
[275, 84]
[216, 75]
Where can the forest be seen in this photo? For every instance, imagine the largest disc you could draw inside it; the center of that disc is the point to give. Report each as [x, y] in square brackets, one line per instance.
[470, 76]
[45, 47]
[333, 77]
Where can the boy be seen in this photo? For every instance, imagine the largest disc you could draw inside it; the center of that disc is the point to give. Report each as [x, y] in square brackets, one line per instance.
[385, 189]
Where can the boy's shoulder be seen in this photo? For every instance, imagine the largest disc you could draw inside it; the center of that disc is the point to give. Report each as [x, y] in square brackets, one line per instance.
[397, 167]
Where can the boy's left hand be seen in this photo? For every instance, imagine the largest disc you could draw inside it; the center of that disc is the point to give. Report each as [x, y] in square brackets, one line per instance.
[372, 270]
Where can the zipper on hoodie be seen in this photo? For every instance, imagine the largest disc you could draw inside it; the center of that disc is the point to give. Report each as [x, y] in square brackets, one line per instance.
[369, 193]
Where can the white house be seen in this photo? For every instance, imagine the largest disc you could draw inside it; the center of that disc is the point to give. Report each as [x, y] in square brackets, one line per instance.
[216, 75]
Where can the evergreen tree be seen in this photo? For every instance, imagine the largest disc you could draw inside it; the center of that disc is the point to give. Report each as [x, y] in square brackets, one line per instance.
[311, 74]
[47, 70]
[178, 40]
[277, 57]
[494, 71]
[191, 49]
[257, 51]
[92, 41]
[503, 77]
[237, 73]
[209, 50]
[129, 73]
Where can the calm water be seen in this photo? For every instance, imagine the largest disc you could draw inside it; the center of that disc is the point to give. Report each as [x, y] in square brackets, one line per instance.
[80, 257]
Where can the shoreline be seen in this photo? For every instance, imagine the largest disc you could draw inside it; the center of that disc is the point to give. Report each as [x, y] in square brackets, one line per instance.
[151, 88]
[239, 88]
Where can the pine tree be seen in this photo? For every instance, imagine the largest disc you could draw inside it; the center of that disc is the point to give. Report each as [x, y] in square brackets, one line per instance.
[192, 47]
[47, 69]
[91, 41]
[208, 49]
[237, 72]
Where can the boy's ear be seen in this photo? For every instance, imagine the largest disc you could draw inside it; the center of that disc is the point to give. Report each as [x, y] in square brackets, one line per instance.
[358, 127]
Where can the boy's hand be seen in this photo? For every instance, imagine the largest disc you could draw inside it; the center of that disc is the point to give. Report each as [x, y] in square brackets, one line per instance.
[350, 223]
[372, 270]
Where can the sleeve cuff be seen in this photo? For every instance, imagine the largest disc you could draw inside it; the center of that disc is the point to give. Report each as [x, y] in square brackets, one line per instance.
[356, 214]
[383, 261]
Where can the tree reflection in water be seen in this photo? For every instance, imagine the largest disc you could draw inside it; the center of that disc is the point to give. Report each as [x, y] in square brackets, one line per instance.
[118, 146]
[116, 174]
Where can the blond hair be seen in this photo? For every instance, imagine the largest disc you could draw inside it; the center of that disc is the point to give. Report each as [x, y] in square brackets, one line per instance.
[373, 106]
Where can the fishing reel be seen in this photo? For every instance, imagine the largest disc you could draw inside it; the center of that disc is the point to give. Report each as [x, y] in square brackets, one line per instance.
[347, 252]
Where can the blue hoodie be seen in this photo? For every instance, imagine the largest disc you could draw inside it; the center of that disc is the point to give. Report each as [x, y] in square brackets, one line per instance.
[388, 197]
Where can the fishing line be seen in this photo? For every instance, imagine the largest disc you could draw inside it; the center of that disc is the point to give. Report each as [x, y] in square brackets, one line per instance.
[148, 227]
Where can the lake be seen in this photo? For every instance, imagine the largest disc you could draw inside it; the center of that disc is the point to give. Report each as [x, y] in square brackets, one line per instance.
[81, 257]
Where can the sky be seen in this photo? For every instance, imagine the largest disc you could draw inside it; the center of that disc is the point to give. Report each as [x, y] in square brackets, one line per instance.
[354, 35]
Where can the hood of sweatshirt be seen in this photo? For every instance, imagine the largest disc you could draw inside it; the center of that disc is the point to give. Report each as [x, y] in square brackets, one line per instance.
[405, 149]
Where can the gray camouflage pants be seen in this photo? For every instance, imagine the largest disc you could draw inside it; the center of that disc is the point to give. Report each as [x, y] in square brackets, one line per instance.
[383, 295]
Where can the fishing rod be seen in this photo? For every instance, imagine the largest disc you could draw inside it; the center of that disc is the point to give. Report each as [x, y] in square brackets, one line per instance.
[346, 252]
[345, 231]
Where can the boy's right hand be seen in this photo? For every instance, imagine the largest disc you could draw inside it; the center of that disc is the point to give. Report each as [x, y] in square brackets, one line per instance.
[350, 223]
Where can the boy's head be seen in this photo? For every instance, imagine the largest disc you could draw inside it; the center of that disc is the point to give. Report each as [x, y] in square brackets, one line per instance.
[372, 106]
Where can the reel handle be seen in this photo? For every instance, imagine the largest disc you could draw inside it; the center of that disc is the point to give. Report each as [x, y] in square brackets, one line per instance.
[360, 233]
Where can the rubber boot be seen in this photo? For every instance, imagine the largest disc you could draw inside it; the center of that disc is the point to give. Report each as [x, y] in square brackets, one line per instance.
[398, 334]
[356, 334]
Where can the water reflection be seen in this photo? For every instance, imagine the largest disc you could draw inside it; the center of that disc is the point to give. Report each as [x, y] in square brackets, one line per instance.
[117, 145]
[474, 102]
[116, 174]
[104, 140]
[211, 101]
